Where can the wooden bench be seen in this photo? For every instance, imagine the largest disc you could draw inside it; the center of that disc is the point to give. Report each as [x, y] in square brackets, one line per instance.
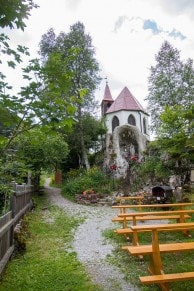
[180, 206]
[155, 249]
[167, 278]
[149, 217]
[179, 215]
[135, 241]
[124, 199]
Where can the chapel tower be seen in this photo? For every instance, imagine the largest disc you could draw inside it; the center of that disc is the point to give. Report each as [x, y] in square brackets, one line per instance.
[127, 129]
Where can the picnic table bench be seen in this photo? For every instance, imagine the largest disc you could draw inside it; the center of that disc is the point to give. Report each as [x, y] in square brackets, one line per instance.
[123, 208]
[177, 206]
[179, 215]
[156, 249]
[124, 199]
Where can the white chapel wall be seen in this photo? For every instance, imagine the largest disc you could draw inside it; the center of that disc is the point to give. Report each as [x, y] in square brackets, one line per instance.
[123, 120]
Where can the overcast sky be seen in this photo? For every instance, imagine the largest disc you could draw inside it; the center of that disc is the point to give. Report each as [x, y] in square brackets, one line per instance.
[127, 34]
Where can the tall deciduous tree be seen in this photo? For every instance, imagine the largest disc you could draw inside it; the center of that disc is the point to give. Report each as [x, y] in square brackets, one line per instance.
[13, 13]
[76, 55]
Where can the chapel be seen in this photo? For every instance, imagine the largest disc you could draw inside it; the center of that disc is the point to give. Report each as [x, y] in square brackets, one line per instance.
[127, 129]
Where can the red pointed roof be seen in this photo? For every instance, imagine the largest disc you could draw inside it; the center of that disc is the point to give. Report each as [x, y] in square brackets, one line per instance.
[125, 101]
[107, 94]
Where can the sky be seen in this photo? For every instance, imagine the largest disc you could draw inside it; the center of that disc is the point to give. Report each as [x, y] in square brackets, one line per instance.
[126, 35]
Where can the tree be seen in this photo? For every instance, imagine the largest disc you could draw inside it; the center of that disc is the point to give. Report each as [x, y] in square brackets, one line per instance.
[15, 109]
[24, 108]
[23, 111]
[39, 149]
[13, 13]
[176, 138]
[75, 53]
[171, 95]
[170, 82]
[32, 105]
[94, 131]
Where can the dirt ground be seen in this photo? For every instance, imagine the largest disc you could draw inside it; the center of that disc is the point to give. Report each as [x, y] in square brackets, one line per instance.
[89, 244]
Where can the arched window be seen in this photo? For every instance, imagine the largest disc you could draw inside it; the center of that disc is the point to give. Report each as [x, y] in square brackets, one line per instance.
[144, 125]
[115, 122]
[131, 120]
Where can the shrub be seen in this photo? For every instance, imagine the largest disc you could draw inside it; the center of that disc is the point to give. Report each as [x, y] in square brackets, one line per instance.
[92, 179]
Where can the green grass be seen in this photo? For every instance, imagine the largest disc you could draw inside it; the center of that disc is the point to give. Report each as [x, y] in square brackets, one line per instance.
[133, 267]
[49, 262]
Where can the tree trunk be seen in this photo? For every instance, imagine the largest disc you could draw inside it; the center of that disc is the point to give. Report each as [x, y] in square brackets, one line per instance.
[36, 180]
[84, 153]
[83, 148]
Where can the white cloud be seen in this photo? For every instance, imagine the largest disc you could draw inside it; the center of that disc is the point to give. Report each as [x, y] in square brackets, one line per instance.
[177, 7]
[124, 48]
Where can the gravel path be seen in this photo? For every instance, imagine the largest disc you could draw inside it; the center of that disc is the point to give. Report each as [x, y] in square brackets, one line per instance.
[89, 244]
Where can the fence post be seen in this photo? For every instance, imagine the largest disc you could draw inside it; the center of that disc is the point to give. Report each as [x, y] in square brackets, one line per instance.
[13, 211]
[13, 200]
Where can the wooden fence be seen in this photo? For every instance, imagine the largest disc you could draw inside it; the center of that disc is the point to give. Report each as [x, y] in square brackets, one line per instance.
[20, 202]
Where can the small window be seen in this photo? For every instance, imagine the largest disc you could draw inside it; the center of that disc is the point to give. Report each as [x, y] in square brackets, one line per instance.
[144, 125]
[108, 105]
[131, 120]
[115, 122]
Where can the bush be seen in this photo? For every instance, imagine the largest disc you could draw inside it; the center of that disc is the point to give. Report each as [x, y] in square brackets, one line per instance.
[92, 179]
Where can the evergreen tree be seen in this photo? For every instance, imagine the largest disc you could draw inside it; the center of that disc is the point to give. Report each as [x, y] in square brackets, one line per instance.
[164, 83]
[170, 99]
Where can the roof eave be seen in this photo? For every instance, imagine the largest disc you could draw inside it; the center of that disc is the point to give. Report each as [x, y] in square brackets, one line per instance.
[138, 110]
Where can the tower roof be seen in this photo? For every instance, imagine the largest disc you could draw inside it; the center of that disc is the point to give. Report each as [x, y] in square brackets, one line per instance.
[107, 94]
[125, 101]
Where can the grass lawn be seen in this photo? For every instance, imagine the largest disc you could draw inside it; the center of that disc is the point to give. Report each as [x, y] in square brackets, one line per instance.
[49, 262]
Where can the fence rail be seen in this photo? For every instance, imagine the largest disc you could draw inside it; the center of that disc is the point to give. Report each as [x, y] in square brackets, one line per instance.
[20, 202]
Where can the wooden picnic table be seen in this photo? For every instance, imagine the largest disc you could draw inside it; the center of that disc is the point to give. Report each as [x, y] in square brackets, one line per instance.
[123, 208]
[122, 199]
[156, 249]
[179, 215]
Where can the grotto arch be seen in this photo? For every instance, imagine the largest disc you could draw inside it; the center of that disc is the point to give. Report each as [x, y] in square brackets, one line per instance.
[125, 142]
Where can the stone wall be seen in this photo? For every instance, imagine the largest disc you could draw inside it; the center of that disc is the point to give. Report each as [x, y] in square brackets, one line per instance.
[125, 143]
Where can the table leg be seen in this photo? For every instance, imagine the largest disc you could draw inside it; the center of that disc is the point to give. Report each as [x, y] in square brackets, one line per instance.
[155, 267]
